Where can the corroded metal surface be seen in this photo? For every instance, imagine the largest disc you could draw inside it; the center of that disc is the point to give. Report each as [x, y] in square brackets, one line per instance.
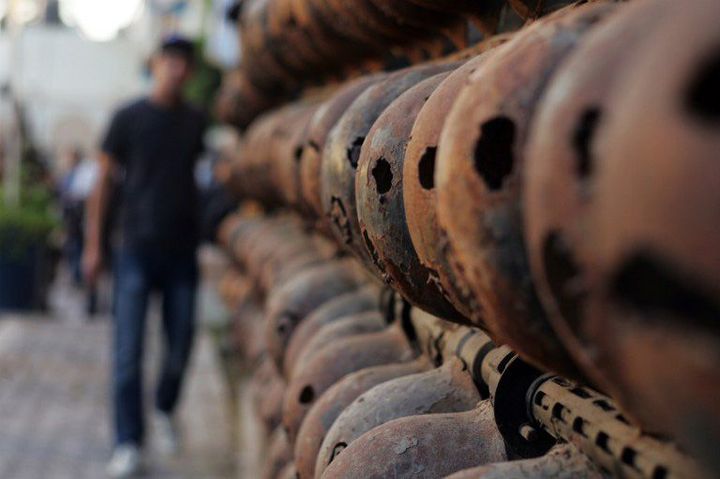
[336, 361]
[562, 462]
[428, 446]
[478, 177]
[379, 202]
[359, 323]
[577, 156]
[293, 301]
[365, 299]
[561, 171]
[419, 196]
[655, 303]
[323, 414]
[342, 152]
[323, 120]
[446, 389]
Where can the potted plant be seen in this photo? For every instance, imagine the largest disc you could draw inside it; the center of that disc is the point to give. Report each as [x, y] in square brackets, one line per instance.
[25, 253]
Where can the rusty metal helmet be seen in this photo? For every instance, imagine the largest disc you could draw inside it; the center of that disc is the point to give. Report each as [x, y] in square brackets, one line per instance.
[434, 23]
[335, 361]
[294, 42]
[362, 300]
[563, 460]
[351, 325]
[436, 444]
[322, 121]
[448, 388]
[378, 194]
[484, 14]
[285, 148]
[266, 392]
[654, 307]
[342, 152]
[278, 456]
[559, 189]
[478, 177]
[419, 194]
[322, 415]
[292, 301]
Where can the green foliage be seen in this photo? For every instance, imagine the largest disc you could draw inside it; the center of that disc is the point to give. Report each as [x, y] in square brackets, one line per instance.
[203, 85]
[29, 223]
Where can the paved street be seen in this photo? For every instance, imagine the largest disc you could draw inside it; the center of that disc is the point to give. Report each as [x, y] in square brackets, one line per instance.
[54, 393]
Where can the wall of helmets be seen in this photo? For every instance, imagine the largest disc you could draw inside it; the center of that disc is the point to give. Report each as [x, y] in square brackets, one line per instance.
[478, 239]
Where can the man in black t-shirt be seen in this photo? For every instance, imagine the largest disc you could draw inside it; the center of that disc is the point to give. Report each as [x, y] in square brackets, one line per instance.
[152, 145]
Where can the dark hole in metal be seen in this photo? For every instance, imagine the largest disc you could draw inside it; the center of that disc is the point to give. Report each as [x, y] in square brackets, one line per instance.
[539, 398]
[563, 277]
[649, 284]
[426, 168]
[579, 426]
[604, 405]
[602, 441]
[382, 173]
[307, 394]
[557, 412]
[703, 95]
[660, 472]
[297, 154]
[339, 447]
[582, 141]
[580, 392]
[353, 153]
[628, 456]
[494, 151]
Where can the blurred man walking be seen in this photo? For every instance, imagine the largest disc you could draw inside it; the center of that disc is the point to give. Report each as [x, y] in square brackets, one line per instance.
[153, 143]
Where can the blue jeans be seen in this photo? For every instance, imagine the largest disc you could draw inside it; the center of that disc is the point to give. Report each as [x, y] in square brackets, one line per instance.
[138, 272]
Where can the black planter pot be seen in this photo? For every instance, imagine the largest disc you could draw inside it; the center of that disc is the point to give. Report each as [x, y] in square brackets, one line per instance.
[23, 277]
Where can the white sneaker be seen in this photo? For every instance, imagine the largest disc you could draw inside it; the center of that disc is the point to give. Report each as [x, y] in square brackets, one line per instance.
[166, 437]
[126, 461]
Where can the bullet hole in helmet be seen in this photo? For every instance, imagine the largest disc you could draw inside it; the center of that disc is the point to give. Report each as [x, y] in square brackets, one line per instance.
[297, 154]
[286, 322]
[339, 447]
[582, 141]
[703, 95]
[383, 176]
[426, 168]
[650, 284]
[563, 277]
[307, 394]
[494, 151]
[353, 153]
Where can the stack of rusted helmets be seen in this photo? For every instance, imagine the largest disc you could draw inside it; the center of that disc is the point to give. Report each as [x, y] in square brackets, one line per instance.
[556, 189]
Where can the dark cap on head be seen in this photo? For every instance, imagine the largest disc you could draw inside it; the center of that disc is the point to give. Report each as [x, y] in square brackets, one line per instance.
[178, 45]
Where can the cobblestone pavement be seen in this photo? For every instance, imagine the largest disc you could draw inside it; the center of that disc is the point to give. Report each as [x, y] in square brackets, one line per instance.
[54, 403]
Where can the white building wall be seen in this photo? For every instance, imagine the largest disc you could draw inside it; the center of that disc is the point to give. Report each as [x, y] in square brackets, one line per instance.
[69, 85]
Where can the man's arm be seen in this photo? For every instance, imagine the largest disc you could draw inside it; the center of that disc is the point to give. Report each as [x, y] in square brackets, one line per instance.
[96, 210]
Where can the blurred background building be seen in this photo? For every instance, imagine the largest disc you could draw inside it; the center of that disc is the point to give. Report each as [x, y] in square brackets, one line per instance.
[69, 62]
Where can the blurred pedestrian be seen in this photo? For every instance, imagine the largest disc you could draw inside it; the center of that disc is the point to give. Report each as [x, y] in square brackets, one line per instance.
[72, 214]
[153, 144]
